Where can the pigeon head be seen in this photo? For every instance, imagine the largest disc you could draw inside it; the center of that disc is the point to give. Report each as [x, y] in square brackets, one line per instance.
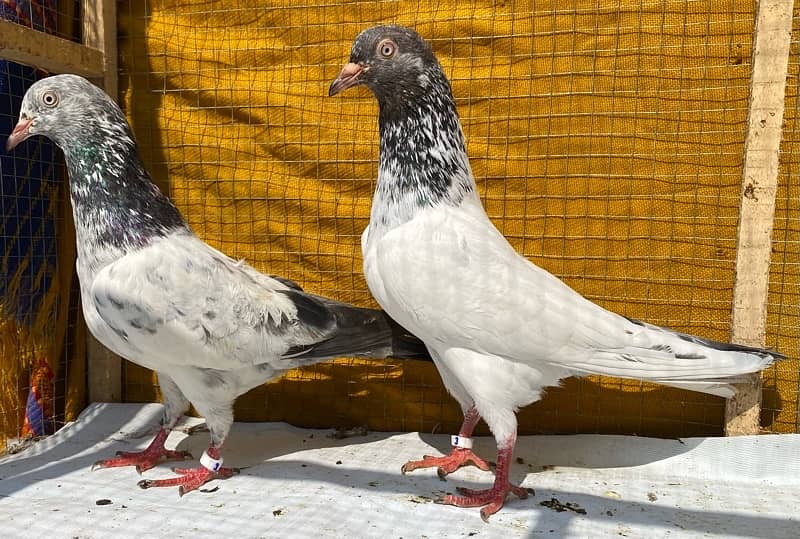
[423, 160]
[394, 62]
[115, 203]
[67, 109]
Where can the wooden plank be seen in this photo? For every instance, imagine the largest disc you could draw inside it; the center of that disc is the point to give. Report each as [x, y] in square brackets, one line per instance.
[51, 53]
[104, 372]
[100, 32]
[759, 184]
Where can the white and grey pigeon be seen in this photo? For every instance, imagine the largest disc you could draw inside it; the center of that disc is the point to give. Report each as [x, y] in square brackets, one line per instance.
[499, 328]
[154, 293]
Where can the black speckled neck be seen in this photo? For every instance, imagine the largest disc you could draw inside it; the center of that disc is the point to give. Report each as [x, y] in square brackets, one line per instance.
[114, 201]
[423, 160]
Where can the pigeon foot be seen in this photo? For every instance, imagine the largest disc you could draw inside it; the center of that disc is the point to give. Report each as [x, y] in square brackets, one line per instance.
[189, 479]
[490, 500]
[144, 460]
[447, 464]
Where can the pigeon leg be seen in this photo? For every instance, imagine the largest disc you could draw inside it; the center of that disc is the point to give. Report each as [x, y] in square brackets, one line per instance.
[190, 479]
[461, 455]
[144, 460]
[492, 499]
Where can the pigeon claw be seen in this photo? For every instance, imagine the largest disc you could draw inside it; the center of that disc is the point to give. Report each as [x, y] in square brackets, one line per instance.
[189, 479]
[447, 464]
[194, 429]
[489, 500]
[142, 460]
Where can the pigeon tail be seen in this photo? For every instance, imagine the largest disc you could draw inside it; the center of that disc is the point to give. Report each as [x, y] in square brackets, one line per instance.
[404, 344]
[363, 333]
[667, 357]
[716, 345]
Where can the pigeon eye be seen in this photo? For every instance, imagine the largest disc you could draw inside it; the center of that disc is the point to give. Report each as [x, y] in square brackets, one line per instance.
[387, 48]
[50, 98]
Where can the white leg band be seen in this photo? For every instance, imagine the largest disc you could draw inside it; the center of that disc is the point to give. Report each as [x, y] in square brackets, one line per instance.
[461, 441]
[212, 465]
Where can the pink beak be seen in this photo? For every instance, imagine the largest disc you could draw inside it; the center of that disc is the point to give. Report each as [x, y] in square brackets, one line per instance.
[348, 77]
[19, 133]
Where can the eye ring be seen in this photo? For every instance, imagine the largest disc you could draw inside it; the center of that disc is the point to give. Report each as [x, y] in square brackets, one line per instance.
[50, 98]
[387, 48]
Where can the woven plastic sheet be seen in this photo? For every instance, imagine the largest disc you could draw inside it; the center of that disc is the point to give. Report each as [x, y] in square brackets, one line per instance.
[303, 483]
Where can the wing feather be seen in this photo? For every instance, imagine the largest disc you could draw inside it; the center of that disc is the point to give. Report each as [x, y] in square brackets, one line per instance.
[494, 300]
[182, 300]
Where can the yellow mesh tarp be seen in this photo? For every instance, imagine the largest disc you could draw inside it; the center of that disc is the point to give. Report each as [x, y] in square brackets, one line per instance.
[606, 138]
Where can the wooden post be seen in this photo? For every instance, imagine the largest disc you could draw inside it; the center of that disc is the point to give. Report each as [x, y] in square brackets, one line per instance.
[100, 32]
[772, 36]
[104, 372]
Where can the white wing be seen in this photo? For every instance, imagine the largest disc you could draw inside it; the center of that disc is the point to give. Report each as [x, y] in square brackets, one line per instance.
[180, 301]
[450, 277]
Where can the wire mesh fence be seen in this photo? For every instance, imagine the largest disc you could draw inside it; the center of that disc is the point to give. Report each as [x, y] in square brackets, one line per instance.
[39, 317]
[606, 137]
[57, 17]
[32, 191]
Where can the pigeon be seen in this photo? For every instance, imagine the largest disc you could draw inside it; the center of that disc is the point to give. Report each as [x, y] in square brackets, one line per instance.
[500, 329]
[156, 294]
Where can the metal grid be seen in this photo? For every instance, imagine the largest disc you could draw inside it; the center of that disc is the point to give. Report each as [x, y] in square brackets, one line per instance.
[35, 338]
[606, 137]
[57, 17]
[38, 314]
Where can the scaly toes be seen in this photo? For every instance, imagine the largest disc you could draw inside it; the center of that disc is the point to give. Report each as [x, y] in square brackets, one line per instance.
[447, 464]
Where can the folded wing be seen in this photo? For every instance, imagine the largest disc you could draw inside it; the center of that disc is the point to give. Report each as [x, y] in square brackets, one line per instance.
[493, 300]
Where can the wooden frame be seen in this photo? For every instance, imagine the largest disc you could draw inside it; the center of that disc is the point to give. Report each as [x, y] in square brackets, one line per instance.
[772, 36]
[100, 33]
[48, 52]
[96, 59]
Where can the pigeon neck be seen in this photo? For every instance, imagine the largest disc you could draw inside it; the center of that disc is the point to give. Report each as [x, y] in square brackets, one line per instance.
[116, 207]
[423, 162]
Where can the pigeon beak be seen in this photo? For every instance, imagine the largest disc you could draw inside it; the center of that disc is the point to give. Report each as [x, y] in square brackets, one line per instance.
[20, 133]
[348, 77]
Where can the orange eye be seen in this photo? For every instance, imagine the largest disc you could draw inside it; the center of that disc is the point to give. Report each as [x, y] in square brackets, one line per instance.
[387, 48]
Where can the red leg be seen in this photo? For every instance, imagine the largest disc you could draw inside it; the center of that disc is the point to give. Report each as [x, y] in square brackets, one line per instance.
[492, 499]
[458, 457]
[192, 478]
[144, 460]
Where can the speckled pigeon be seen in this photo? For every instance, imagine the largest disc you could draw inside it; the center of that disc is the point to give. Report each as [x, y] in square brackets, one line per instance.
[154, 293]
[499, 328]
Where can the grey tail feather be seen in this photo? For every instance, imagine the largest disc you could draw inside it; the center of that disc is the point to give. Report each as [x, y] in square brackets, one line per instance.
[364, 333]
[721, 388]
[405, 345]
[718, 345]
